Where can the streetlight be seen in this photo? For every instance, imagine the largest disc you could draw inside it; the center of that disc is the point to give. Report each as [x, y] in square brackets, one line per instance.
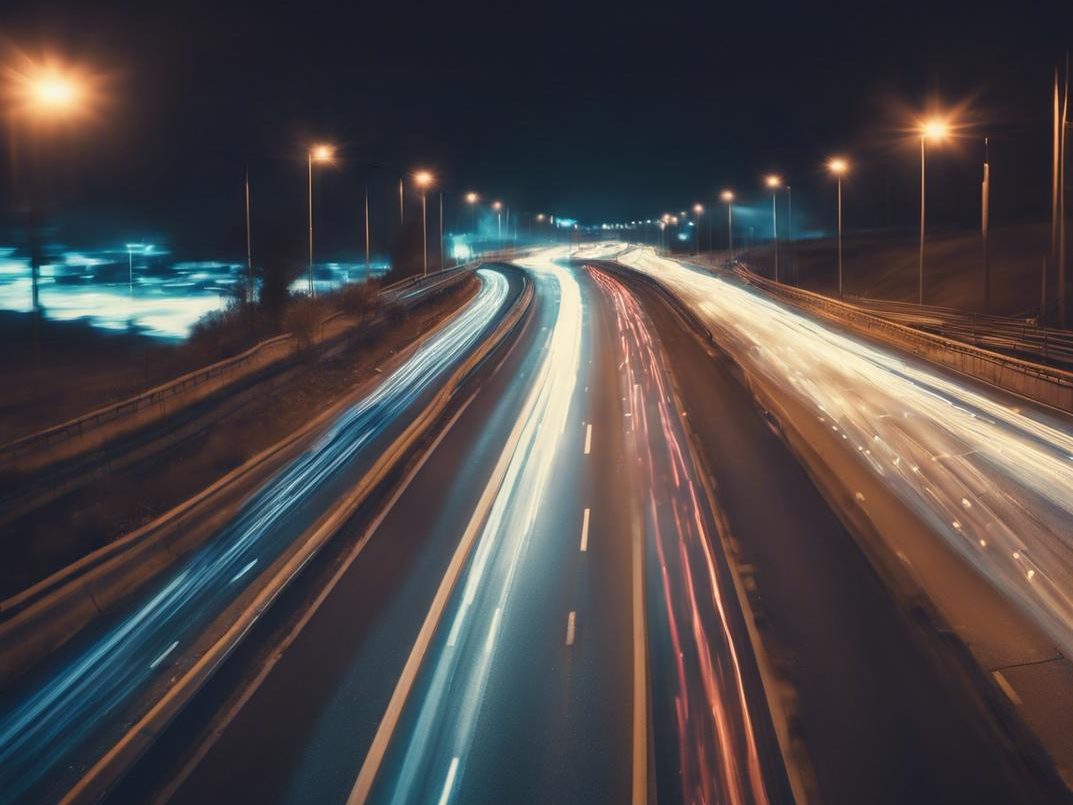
[472, 199]
[774, 182]
[47, 93]
[321, 154]
[935, 129]
[423, 179]
[498, 207]
[698, 209]
[838, 168]
[728, 198]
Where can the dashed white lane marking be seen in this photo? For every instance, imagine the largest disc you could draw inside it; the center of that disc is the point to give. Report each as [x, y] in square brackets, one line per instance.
[1007, 688]
[242, 572]
[585, 531]
[570, 625]
[588, 438]
[167, 651]
[449, 783]
[490, 643]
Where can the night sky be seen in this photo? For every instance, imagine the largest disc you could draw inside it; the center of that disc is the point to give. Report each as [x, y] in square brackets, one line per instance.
[597, 114]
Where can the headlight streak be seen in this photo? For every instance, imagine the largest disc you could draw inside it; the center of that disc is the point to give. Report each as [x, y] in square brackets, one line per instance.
[43, 725]
[934, 441]
[717, 750]
[433, 760]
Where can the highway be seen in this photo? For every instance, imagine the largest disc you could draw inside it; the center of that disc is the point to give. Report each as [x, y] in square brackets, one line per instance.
[64, 713]
[541, 609]
[542, 614]
[992, 477]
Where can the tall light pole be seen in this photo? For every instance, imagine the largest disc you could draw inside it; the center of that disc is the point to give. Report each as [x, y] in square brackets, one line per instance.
[249, 244]
[441, 231]
[934, 129]
[728, 198]
[368, 236]
[472, 199]
[321, 154]
[45, 95]
[774, 183]
[698, 210]
[838, 167]
[498, 207]
[423, 179]
[985, 223]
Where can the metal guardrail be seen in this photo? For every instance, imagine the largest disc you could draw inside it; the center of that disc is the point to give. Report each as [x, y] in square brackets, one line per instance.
[402, 292]
[1045, 384]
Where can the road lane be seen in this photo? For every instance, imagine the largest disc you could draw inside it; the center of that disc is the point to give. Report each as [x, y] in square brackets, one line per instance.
[714, 737]
[992, 479]
[531, 682]
[57, 718]
[884, 713]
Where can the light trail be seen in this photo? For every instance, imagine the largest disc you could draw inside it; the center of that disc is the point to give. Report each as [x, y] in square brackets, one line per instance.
[433, 755]
[51, 718]
[718, 760]
[993, 481]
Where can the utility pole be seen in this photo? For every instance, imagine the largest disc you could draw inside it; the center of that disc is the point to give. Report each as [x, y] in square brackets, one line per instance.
[985, 223]
[368, 263]
[249, 247]
[1062, 199]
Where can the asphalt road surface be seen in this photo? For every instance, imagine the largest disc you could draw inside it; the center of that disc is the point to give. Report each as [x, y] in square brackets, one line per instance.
[56, 721]
[542, 614]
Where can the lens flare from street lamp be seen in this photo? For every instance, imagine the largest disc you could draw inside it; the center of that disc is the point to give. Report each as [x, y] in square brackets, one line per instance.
[472, 198]
[838, 166]
[322, 153]
[773, 181]
[935, 128]
[48, 89]
[727, 196]
[422, 178]
[497, 205]
[698, 208]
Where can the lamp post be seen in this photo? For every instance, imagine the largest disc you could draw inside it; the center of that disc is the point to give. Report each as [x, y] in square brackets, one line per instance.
[423, 179]
[320, 154]
[249, 244]
[368, 236]
[498, 207]
[774, 182]
[472, 199]
[838, 167]
[46, 95]
[698, 210]
[934, 129]
[728, 198]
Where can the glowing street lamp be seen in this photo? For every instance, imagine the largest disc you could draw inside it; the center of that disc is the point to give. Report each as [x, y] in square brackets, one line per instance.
[472, 199]
[838, 168]
[727, 196]
[698, 210]
[423, 179]
[935, 129]
[498, 207]
[774, 182]
[321, 154]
